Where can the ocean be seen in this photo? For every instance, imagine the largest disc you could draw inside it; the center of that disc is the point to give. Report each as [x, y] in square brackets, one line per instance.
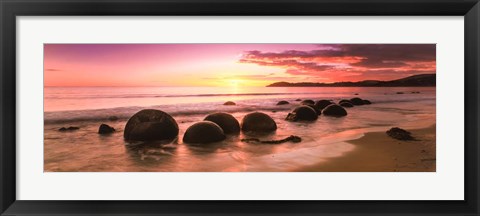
[85, 150]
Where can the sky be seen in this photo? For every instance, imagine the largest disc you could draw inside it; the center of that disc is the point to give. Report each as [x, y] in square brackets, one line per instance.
[231, 64]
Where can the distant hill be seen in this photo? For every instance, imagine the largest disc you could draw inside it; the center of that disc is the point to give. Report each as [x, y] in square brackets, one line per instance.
[415, 80]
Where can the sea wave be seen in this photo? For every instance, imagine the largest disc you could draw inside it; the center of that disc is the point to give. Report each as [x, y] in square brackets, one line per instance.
[123, 113]
[169, 95]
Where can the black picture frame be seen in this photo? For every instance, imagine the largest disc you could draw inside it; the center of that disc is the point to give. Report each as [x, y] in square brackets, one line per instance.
[10, 9]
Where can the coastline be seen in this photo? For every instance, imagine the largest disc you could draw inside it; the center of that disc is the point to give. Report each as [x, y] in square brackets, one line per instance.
[377, 152]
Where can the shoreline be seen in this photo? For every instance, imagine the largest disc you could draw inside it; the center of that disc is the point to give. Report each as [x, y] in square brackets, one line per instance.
[377, 152]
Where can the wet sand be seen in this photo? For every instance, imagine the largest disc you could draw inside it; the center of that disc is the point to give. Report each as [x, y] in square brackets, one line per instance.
[377, 152]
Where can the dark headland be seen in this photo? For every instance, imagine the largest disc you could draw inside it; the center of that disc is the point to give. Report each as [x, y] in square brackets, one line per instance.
[421, 80]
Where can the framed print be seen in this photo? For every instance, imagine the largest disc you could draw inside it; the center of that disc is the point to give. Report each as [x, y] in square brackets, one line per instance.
[257, 107]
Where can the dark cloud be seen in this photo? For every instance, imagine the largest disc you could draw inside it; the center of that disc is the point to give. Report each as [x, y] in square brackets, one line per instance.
[359, 59]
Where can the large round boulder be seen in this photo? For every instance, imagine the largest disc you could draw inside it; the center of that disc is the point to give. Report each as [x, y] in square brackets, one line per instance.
[227, 122]
[258, 122]
[283, 102]
[346, 104]
[308, 102]
[334, 110]
[302, 113]
[203, 132]
[357, 101]
[150, 125]
[321, 104]
[318, 111]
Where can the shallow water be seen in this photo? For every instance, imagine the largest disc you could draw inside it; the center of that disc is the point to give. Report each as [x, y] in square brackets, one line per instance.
[87, 108]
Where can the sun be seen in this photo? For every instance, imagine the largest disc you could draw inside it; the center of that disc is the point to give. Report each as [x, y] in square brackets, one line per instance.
[234, 82]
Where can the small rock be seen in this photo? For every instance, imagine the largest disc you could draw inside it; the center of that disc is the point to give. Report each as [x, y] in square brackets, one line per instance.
[283, 102]
[298, 99]
[229, 103]
[400, 93]
[399, 134]
[64, 129]
[105, 129]
[355, 94]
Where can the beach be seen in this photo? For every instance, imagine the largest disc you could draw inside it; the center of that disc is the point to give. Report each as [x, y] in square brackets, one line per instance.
[377, 152]
[356, 142]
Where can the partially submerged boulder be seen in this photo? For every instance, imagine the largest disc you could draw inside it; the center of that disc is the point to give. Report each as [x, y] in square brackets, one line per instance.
[367, 102]
[227, 122]
[321, 104]
[150, 125]
[204, 132]
[258, 122]
[229, 103]
[334, 110]
[308, 102]
[105, 129]
[283, 102]
[399, 134]
[302, 113]
[357, 101]
[65, 129]
[346, 104]
[298, 99]
[344, 100]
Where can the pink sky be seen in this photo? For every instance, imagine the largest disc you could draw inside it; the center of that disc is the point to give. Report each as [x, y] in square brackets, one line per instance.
[230, 64]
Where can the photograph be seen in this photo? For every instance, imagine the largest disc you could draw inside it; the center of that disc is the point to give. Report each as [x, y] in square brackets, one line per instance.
[239, 107]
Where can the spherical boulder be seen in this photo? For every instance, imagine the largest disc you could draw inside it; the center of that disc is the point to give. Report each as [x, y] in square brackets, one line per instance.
[308, 102]
[302, 113]
[227, 122]
[283, 102]
[367, 102]
[344, 100]
[258, 122]
[357, 101]
[105, 129]
[150, 125]
[203, 132]
[229, 103]
[346, 104]
[334, 110]
[321, 104]
[318, 111]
